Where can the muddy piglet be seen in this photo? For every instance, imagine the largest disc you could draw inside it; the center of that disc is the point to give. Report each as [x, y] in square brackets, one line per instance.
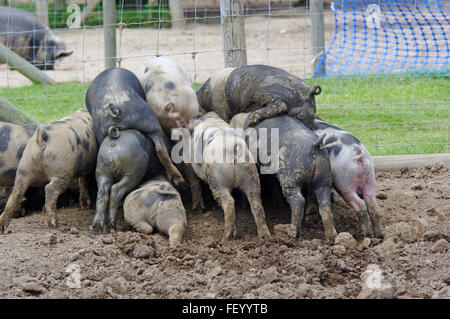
[353, 175]
[121, 165]
[264, 91]
[223, 160]
[116, 102]
[55, 156]
[168, 90]
[156, 204]
[304, 171]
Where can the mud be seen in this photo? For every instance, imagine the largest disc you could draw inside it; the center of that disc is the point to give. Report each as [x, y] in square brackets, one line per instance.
[414, 205]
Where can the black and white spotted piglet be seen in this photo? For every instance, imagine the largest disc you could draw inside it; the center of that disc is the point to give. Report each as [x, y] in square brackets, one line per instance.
[55, 156]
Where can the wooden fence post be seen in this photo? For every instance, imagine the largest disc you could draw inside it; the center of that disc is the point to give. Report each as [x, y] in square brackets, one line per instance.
[233, 33]
[317, 34]
[109, 27]
[42, 11]
[177, 13]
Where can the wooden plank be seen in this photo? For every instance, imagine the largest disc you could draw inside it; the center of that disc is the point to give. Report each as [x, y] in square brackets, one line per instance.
[9, 113]
[177, 13]
[233, 33]
[109, 27]
[396, 162]
[23, 66]
[317, 34]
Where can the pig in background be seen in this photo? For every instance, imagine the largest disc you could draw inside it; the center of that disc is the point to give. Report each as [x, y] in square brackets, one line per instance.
[168, 90]
[156, 204]
[216, 142]
[120, 168]
[116, 101]
[353, 175]
[57, 155]
[264, 91]
[304, 172]
[25, 35]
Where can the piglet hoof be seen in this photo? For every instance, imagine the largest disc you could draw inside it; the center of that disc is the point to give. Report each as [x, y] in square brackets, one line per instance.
[85, 204]
[178, 181]
[330, 235]
[264, 234]
[20, 213]
[52, 223]
[4, 223]
[176, 235]
[198, 207]
[229, 234]
[379, 233]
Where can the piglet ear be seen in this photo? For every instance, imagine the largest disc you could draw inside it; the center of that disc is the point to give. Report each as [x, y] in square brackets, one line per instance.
[315, 90]
[168, 107]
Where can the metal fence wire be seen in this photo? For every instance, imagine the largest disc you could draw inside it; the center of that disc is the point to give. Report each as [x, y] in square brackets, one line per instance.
[383, 65]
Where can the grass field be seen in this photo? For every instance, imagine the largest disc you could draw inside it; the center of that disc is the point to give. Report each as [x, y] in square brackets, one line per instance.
[390, 115]
[148, 15]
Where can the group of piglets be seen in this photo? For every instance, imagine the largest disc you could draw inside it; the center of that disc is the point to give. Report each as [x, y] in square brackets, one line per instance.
[123, 136]
[313, 156]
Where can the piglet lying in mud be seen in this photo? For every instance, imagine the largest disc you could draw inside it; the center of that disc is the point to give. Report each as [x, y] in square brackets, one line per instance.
[23, 33]
[156, 204]
[13, 139]
[120, 168]
[55, 156]
[168, 90]
[263, 90]
[225, 163]
[304, 171]
[353, 173]
[116, 102]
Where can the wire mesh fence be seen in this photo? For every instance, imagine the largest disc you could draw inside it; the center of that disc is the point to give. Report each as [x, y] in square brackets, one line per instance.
[404, 112]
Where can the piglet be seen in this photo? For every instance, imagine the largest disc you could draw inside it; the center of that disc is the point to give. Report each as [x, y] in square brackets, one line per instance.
[226, 163]
[353, 175]
[168, 90]
[156, 204]
[55, 156]
[121, 165]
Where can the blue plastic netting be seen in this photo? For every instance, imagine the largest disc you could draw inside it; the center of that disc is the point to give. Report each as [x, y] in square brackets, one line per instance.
[391, 36]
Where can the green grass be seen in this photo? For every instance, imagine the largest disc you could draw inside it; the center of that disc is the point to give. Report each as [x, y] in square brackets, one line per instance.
[390, 115]
[149, 15]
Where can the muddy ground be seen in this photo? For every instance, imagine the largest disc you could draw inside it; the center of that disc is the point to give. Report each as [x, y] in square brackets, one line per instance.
[414, 205]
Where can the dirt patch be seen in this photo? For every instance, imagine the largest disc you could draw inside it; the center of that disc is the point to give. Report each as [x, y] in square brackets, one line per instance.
[414, 206]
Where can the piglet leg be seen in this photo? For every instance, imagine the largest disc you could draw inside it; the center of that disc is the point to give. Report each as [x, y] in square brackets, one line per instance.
[163, 156]
[85, 198]
[273, 109]
[118, 190]
[224, 198]
[104, 186]
[324, 200]
[52, 191]
[359, 206]
[296, 201]
[374, 217]
[14, 202]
